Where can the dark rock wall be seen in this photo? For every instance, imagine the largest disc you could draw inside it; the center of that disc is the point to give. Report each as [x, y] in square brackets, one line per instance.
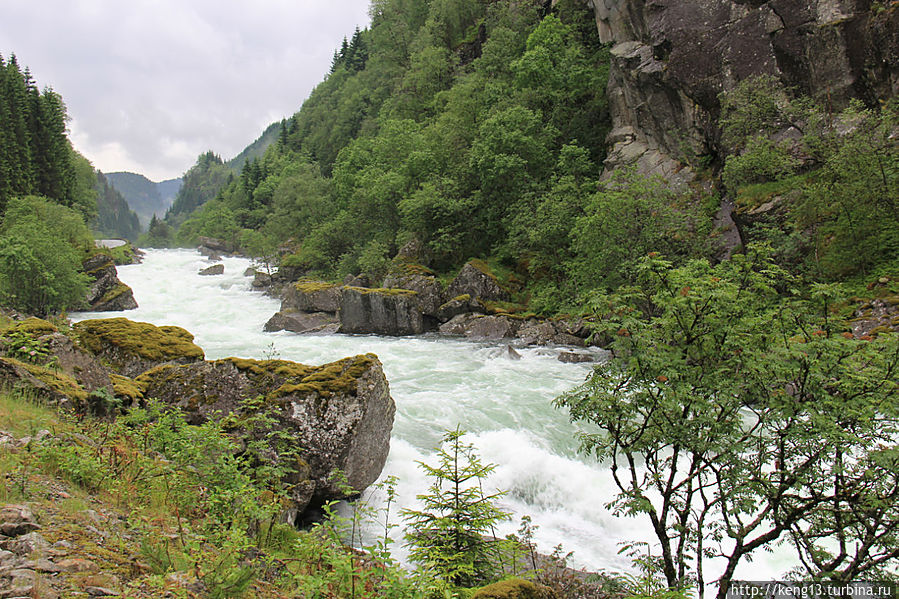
[671, 59]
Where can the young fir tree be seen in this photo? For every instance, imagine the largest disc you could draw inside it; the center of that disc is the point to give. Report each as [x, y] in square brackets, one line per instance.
[453, 532]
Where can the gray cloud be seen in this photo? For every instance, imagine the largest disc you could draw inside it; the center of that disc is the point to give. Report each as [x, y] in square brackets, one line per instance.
[150, 84]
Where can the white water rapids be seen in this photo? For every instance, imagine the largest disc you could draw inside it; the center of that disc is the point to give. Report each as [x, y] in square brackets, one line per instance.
[437, 383]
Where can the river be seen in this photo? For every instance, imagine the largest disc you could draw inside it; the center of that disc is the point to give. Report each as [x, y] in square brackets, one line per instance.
[437, 383]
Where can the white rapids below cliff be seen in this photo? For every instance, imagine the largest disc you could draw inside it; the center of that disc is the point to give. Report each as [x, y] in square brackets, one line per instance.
[437, 383]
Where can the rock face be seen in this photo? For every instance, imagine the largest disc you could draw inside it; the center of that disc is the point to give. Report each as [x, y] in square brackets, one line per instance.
[337, 416]
[671, 59]
[135, 347]
[320, 323]
[380, 311]
[107, 293]
[476, 281]
[406, 274]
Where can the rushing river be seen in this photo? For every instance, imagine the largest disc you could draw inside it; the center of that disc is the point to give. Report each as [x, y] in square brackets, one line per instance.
[437, 383]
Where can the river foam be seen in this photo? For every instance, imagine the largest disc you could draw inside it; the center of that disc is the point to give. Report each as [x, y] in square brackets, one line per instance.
[438, 384]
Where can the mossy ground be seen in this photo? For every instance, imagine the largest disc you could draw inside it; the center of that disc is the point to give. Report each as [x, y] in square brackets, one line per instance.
[310, 286]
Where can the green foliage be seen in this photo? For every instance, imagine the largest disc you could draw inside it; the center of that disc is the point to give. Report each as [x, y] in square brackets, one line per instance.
[761, 161]
[41, 246]
[201, 183]
[449, 535]
[114, 217]
[753, 417]
[159, 235]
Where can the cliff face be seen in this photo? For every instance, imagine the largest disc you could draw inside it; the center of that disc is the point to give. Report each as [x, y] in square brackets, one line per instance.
[671, 59]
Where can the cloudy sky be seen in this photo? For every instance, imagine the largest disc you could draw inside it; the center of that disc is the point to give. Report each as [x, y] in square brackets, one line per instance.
[151, 84]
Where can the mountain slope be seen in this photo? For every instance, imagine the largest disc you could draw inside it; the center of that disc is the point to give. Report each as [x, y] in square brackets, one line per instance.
[145, 197]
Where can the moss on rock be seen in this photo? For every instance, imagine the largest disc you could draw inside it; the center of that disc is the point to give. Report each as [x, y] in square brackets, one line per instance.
[311, 286]
[513, 588]
[34, 327]
[56, 381]
[338, 377]
[387, 291]
[142, 339]
[115, 292]
[126, 388]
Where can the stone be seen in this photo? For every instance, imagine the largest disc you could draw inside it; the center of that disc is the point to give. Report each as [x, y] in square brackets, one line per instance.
[537, 332]
[318, 323]
[261, 280]
[52, 387]
[393, 312]
[249, 272]
[512, 354]
[473, 326]
[215, 269]
[17, 519]
[210, 245]
[462, 304]
[100, 592]
[78, 363]
[312, 296]
[338, 416]
[571, 357]
[428, 288]
[107, 293]
[512, 588]
[476, 281]
[75, 565]
[27, 544]
[134, 347]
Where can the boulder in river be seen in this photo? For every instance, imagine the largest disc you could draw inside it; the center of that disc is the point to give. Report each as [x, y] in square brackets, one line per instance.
[316, 420]
[420, 279]
[107, 293]
[321, 323]
[392, 312]
[215, 269]
[312, 296]
[476, 326]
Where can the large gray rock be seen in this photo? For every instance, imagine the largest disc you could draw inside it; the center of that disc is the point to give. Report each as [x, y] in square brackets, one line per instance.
[17, 519]
[428, 288]
[107, 293]
[476, 281]
[672, 58]
[312, 296]
[335, 417]
[321, 323]
[380, 311]
[476, 326]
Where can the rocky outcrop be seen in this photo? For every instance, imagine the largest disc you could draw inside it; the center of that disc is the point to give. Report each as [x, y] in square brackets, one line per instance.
[337, 417]
[394, 312]
[312, 296]
[672, 58]
[215, 269]
[134, 347]
[209, 246]
[405, 274]
[317, 323]
[476, 281]
[107, 293]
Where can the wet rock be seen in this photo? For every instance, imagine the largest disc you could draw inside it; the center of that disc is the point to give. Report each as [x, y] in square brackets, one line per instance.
[312, 296]
[262, 280]
[481, 327]
[537, 332]
[575, 358]
[512, 354]
[392, 312]
[319, 323]
[476, 281]
[107, 293]
[209, 246]
[215, 269]
[17, 519]
[249, 272]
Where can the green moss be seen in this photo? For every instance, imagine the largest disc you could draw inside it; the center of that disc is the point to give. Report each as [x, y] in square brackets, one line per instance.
[338, 377]
[880, 330]
[504, 308]
[34, 327]
[61, 383]
[405, 266]
[140, 338]
[513, 588]
[281, 368]
[115, 292]
[310, 286]
[484, 268]
[122, 386]
[383, 291]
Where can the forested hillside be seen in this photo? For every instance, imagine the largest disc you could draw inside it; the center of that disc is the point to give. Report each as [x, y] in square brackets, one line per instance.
[145, 197]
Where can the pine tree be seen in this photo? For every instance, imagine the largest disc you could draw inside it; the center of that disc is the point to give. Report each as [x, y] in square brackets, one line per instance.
[450, 533]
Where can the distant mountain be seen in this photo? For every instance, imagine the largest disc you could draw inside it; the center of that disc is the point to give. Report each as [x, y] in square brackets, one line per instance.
[114, 217]
[257, 148]
[145, 197]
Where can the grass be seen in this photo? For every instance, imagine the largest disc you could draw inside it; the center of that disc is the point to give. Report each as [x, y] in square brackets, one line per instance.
[751, 197]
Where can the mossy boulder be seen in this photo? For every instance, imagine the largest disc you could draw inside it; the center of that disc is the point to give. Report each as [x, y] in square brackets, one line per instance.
[476, 280]
[43, 383]
[107, 293]
[335, 417]
[380, 311]
[420, 279]
[77, 363]
[513, 588]
[131, 348]
[312, 296]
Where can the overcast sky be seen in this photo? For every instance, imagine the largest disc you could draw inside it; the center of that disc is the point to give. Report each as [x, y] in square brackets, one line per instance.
[151, 84]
